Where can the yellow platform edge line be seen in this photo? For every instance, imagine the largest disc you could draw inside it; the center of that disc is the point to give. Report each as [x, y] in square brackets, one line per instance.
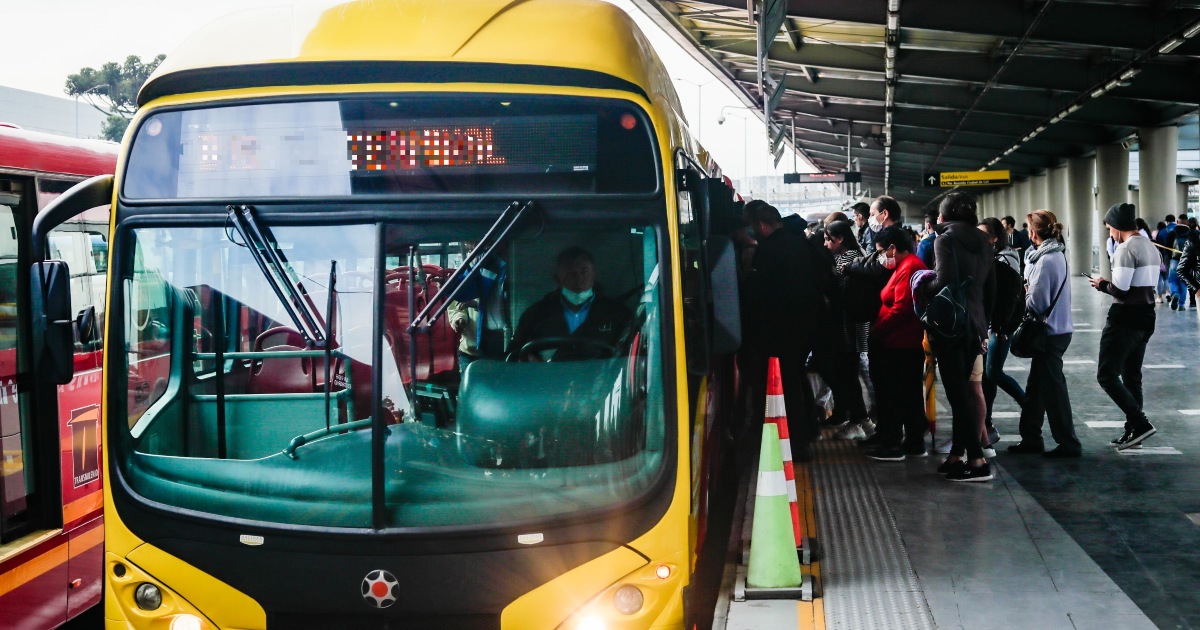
[811, 615]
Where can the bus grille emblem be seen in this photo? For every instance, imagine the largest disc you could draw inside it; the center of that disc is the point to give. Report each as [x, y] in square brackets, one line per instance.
[379, 589]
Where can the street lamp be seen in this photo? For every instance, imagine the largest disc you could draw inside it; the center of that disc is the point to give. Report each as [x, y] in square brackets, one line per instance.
[87, 91]
[699, 98]
[745, 147]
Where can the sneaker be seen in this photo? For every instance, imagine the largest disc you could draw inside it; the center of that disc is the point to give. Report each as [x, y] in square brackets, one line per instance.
[993, 436]
[950, 466]
[1025, 448]
[852, 431]
[972, 473]
[1062, 453]
[1121, 440]
[1174, 302]
[887, 454]
[989, 452]
[1137, 436]
[1158, 299]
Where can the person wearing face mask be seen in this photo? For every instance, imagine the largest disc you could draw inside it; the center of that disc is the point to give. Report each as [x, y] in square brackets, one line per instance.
[573, 309]
[898, 359]
[868, 269]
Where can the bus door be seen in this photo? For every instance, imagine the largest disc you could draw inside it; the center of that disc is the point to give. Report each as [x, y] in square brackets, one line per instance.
[34, 559]
[51, 530]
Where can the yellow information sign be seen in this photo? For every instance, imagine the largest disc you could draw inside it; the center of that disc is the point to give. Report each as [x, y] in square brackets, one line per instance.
[949, 179]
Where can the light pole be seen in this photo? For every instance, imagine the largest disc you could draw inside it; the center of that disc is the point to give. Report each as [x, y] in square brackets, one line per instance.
[89, 90]
[699, 109]
[745, 146]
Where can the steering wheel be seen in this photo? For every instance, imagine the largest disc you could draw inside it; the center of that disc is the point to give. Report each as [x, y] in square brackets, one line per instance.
[589, 348]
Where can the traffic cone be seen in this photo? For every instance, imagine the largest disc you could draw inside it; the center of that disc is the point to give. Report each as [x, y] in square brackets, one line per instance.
[777, 414]
[773, 561]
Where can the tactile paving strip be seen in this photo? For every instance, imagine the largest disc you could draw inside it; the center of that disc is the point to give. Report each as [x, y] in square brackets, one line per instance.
[867, 580]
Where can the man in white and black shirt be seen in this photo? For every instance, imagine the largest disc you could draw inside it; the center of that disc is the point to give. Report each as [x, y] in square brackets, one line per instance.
[1130, 321]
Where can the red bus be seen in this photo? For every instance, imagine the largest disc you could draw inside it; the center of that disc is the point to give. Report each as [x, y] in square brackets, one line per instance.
[51, 493]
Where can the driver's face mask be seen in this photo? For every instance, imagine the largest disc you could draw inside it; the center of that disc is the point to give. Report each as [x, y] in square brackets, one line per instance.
[577, 298]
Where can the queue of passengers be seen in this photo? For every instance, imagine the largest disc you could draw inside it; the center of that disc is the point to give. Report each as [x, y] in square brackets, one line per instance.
[885, 292]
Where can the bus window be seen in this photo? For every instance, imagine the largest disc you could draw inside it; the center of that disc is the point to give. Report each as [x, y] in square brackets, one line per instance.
[17, 482]
[551, 415]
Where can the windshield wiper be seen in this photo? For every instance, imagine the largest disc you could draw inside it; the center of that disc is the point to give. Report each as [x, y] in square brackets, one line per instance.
[495, 236]
[263, 248]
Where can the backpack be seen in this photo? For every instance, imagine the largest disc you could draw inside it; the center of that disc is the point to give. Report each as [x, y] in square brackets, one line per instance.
[1010, 299]
[946, 315]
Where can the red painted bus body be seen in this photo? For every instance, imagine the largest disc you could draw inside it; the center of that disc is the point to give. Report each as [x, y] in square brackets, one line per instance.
[51, 498]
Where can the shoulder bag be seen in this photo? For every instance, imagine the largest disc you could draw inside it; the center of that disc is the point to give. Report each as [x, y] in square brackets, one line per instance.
[1030, 336]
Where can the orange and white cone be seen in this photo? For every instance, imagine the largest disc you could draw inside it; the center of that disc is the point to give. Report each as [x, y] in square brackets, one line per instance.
[777, 414]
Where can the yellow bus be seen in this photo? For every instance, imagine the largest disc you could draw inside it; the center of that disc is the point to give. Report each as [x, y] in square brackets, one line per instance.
[423, 315]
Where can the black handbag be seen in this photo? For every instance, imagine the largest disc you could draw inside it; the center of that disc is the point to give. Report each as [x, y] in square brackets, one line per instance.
[1030, 336]
[946, 315]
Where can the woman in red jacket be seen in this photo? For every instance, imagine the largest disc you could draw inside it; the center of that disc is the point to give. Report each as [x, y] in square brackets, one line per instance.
[898, 332]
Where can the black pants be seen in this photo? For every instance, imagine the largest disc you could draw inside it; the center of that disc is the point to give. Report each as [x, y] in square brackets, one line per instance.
[797, 393]
[900, 403]
[955, 359]
[1046, 395]
[1119, 372]
[847, 393]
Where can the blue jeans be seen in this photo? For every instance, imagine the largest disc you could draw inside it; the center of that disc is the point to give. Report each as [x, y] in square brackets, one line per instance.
[1177, 288]
[994, 376]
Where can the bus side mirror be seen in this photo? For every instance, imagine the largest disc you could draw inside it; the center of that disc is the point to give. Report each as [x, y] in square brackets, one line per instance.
[53, 328]
[726, 327]
[87, 330]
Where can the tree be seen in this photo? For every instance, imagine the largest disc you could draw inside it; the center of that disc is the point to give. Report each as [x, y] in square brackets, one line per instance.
[113, 90]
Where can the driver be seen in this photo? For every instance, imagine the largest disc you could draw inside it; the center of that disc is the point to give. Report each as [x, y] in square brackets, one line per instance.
[573, 310]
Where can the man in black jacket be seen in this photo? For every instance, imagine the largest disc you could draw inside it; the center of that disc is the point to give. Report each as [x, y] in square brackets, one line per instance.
[785, 304]
[574, 312]
[962, 252]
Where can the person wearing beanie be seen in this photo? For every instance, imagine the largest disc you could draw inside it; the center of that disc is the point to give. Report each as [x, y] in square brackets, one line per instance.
[1130, 321]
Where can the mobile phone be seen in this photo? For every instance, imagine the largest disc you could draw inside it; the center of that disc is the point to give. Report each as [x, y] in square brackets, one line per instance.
[1086, 275]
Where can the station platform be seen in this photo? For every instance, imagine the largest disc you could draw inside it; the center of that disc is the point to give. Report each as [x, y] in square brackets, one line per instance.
[1110, 540]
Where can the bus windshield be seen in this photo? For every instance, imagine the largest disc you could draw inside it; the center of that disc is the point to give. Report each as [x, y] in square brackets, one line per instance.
[432, 145]
[537, 393]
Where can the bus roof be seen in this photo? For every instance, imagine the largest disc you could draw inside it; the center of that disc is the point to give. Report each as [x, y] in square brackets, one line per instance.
[593, 42]
[33, 151]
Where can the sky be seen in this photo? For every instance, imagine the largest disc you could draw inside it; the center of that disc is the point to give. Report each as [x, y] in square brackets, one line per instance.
[45, 40]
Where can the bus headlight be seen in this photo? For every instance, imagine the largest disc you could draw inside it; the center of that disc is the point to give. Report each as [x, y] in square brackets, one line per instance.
[591, 623]
[147, 596]
[628, 599]
[187, 622]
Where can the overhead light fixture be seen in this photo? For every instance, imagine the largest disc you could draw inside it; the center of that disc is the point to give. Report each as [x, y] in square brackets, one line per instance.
[889, 63]
[1171, 44]
[893, 21]
[894, 6]
[1192, 30]
[890, 73]
[1057, 117]
[1040, 129]
[1130, 73]
[1027, 138]
[1112, 84]
[1074, 108]
[1098, 92]
[890, 51]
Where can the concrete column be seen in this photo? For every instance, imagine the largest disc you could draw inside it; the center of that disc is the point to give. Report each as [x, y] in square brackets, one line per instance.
[1056, 180]
[1112, 179]
[1006, 203]
[1158, 148]
[1041, 191]
[1135, 197]
[1025, 197]
[1181, 194]
[1081, 177]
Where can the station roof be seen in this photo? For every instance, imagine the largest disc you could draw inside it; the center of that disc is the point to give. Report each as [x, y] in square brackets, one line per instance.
[999, 84]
